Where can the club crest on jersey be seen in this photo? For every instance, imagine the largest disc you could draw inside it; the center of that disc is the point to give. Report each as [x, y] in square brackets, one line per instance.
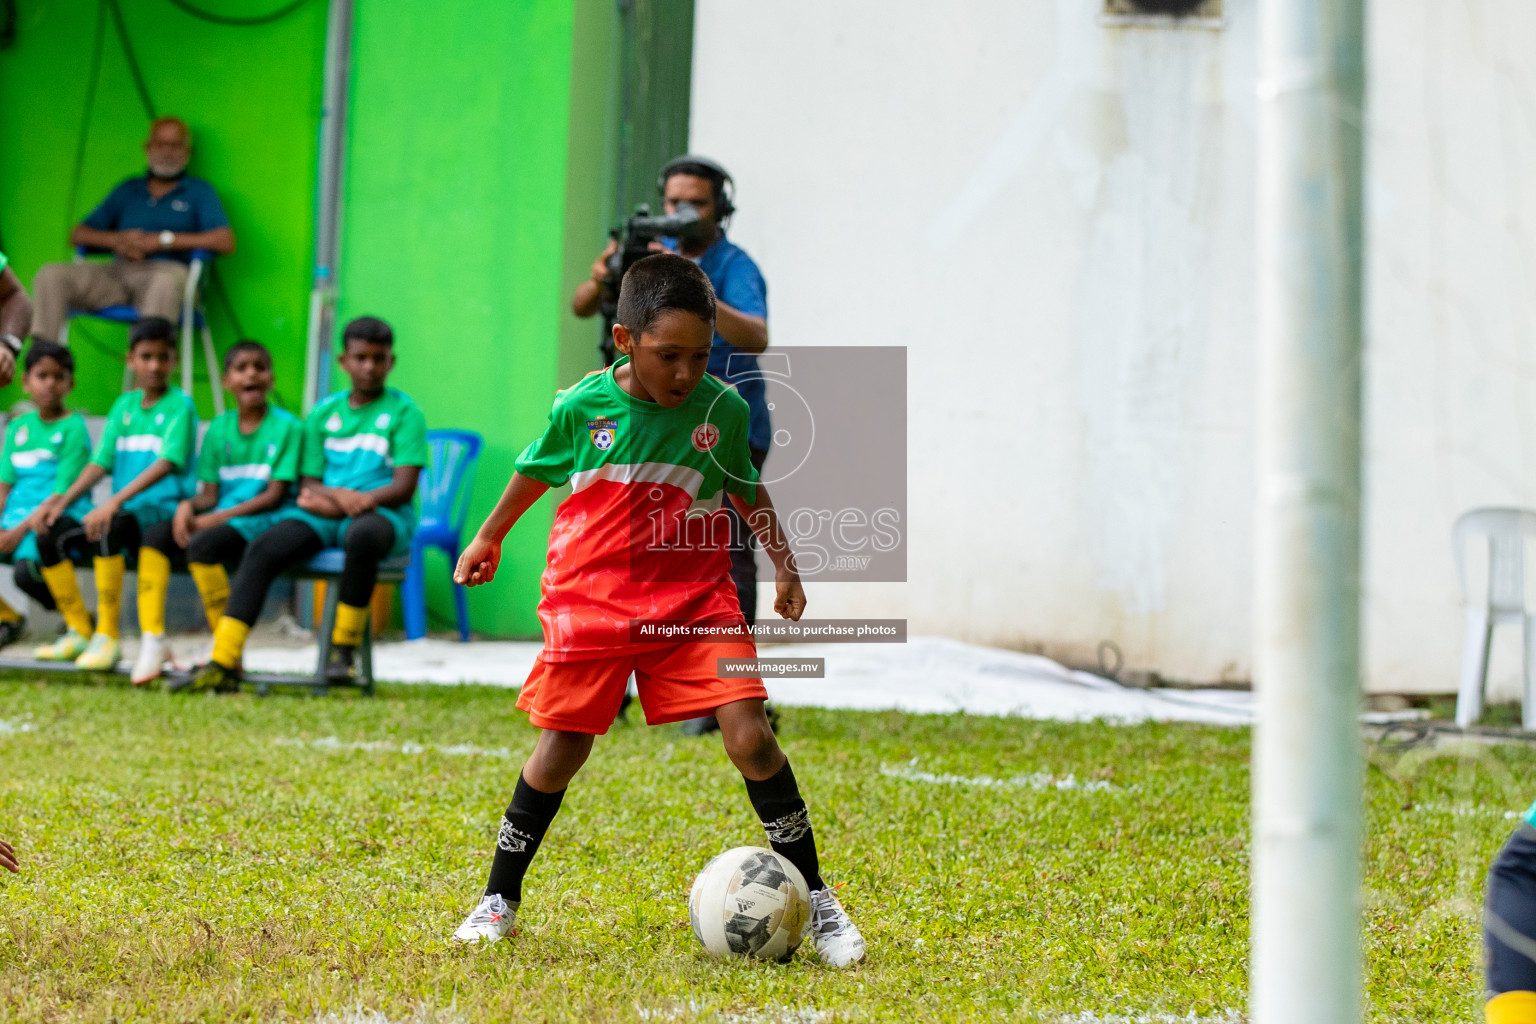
[705, 436]
[603, 432]
[21, 436]
[334, 423]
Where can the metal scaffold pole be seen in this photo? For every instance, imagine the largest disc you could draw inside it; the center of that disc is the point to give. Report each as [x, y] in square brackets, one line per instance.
[1307, 758]
[333, 127]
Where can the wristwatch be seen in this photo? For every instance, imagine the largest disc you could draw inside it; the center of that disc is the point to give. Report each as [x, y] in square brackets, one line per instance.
[11, 342]
[166, 238]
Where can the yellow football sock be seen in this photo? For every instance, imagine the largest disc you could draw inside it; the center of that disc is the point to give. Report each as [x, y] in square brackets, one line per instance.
[66, 594]
[213, 584]
[350, 621]
[1512, 1008]
[229, 641]
[154, 578]
[7, 613]
[109, 594]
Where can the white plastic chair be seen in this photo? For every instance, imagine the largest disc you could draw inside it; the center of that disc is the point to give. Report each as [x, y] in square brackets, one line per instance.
[193, 322]
[1506, 531]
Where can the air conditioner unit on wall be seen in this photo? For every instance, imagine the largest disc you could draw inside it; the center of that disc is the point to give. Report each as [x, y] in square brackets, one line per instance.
[1163, 13]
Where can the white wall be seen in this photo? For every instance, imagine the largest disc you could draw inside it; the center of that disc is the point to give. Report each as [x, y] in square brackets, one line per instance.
[1056, 218]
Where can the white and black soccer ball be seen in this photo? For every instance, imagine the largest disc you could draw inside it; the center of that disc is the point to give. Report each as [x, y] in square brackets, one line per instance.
[750, 902]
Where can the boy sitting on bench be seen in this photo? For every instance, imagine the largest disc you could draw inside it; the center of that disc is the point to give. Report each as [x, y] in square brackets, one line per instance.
[248, 463]
[363, 452]
[146, 446]
[45, 449]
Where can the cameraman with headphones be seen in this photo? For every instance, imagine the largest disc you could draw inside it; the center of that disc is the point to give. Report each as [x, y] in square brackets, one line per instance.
[741, 327]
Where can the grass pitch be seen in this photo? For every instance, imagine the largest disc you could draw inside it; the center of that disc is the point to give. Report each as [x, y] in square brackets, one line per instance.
[214, 859]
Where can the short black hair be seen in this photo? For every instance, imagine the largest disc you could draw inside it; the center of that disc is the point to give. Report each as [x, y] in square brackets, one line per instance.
[152, 328]
[368, 328]
[243, 346]
[663, 283]
[42, 349]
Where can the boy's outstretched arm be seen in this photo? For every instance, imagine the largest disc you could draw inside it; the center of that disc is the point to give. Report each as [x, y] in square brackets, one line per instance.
[478, 563]
[789, 595]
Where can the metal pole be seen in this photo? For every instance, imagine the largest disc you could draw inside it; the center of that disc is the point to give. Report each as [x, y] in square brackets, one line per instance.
[1307, 771]
[333, 133]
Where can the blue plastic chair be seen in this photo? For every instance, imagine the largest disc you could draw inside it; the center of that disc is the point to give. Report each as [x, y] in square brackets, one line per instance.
[444, 492]
[192, 322]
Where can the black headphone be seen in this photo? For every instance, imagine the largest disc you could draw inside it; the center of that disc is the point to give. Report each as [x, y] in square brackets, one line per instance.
[719, 177]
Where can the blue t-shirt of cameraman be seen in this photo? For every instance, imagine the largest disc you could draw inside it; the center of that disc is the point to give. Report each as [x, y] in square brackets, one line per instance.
[738, 283]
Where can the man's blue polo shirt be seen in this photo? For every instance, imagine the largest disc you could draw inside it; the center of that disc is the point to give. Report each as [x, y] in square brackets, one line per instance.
[739, 284]
[192, 205]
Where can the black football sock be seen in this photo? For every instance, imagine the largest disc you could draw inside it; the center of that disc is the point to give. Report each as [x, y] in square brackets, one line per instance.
[788, 824]
[522, 829]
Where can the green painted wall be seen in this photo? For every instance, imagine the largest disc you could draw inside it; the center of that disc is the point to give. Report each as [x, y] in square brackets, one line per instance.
[478, 168]
[252, 97]
[479, 187]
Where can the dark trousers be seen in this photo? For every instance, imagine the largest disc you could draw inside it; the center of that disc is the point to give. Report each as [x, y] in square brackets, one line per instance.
[744, 552]
[1509, 916]
[292, 542]
[67, 541]
[219, 545]
[29, 580]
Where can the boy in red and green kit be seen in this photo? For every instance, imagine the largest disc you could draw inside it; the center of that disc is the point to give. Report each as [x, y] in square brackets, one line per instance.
[651, 447]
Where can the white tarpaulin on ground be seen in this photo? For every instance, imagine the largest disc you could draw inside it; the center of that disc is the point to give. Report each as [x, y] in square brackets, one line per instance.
[926, 674]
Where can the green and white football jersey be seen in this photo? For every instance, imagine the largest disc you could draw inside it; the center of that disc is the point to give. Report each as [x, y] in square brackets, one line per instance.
[135, 437]
[243, 464]
[40, 460]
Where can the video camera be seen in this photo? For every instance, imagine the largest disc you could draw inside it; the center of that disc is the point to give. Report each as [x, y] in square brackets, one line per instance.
[635, 240]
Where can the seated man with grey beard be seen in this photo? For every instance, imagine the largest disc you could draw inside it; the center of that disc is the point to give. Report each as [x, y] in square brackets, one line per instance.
[152, 222]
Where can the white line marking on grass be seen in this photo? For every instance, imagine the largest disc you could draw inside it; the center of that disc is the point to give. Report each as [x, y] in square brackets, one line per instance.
[332, 743]
[12, 726]
[1229, 1017]
[358, 1015]
[1029, 780]
[766, 1015]
[1467, 811]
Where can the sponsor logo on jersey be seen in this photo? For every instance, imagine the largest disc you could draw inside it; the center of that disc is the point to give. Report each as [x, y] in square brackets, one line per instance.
[603, 431]
[705, 436]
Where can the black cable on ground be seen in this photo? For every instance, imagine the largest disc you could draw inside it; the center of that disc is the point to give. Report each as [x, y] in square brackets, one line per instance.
[235, 21]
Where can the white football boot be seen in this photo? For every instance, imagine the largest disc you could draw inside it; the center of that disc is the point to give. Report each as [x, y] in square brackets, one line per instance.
[492, 920]
[836, 938]
[153, 655]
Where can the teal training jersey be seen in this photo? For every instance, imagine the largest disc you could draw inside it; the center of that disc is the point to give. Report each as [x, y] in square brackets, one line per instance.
[135, 437]
[40, 460]
[360, 448]
[243, 464]
[1530, 816]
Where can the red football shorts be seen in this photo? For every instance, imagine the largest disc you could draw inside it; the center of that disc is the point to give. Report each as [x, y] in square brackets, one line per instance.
[676, 683]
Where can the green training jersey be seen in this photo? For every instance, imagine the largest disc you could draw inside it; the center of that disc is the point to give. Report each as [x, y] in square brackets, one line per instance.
[40, 460]
[135, 437]
[243, 464]
[1530, 816]
[642, 534]
[359, 448]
